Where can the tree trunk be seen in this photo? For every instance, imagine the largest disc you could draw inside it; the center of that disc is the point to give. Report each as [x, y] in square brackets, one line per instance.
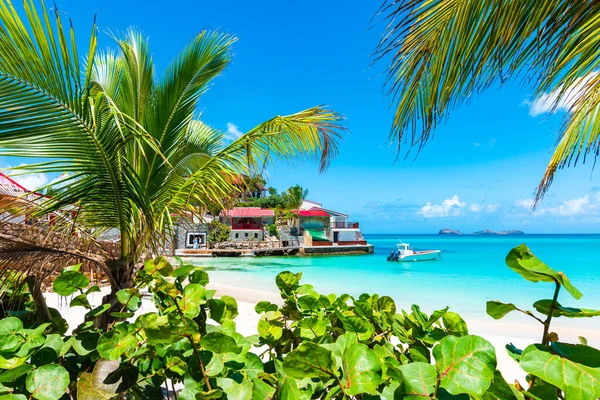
[38, 299]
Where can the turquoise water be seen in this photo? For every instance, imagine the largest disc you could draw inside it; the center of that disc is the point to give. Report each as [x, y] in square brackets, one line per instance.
[471, 271]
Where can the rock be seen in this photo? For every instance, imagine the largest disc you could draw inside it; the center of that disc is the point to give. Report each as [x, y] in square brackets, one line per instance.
[490, 232]
[448, 231]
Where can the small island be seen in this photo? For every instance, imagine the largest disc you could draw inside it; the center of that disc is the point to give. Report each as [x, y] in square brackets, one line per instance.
[448, 231]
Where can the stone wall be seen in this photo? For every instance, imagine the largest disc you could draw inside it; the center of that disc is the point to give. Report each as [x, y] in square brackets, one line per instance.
[185, 227]
[285, 234]
[242, 235]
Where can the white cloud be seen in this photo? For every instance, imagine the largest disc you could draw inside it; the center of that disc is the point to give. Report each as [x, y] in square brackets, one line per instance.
[571, 207]
[233, 132]
[31, 182]
[477, 144]
[551, 103]
[449, 208]
[525, 203]
[492, 142]
[488, 208]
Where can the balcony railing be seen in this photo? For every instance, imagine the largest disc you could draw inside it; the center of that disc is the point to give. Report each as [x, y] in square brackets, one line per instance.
[344, 225]
[236, 226]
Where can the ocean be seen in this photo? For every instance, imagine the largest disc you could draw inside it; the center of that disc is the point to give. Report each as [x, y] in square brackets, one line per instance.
[471, 271]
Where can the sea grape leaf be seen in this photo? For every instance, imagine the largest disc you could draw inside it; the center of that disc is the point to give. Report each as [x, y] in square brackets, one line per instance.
[68, 282]
[12, 374]
[160, 265]
[10, 363]
[50, 351]
[223, 309]
[386, 304]
[156, 327]
[84, 343]
[220, 343]
[525, 263]
[48, 382]
[454, 324]
[12, 396]
[288, 282]
[87, 391]
[117, 341]
[418, 381]
[543, 306]
[234, 390]
[270, 330]
[101, 371]
[358, 325]
[264, 306]
[129, 297]
[498, 309]
[11, 337]
[311, 328]
[183, 270]
[261, 390]
[361, 370]
[287, 388]
[465, 364]
[81, 301]
[309, 360]
[499, 389]
[33, 340]
[577, 375]
[101, 309]
[199, 277]
[194, 295]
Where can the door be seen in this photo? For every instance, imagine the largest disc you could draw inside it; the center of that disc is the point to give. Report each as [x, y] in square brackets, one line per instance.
[336, 236]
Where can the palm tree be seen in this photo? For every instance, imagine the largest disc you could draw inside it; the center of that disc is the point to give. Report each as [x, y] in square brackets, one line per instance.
[444, 52]
[130, 145]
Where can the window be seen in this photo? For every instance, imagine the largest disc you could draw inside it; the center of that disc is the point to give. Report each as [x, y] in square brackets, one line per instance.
[256, 236]
[246, 234]
[237, 235]
[195, 239]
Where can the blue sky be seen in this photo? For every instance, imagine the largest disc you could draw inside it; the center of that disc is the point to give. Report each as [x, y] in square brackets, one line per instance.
[479, 172]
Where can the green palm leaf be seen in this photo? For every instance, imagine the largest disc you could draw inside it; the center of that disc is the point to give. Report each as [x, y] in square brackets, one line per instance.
[442, 53]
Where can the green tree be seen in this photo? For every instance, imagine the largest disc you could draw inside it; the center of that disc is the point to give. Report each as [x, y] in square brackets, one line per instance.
[218, 232]
[129, 142]
[445, 52]
[294, 196]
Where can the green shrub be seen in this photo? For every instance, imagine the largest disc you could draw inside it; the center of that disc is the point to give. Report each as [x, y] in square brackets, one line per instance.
[218, 232]
[312, 347]
[273, 230]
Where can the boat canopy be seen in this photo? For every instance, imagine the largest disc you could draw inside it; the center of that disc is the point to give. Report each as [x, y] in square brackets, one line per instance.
[318, 235]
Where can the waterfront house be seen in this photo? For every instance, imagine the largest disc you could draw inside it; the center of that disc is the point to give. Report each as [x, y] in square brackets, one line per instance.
[323, 223]
[247, 223]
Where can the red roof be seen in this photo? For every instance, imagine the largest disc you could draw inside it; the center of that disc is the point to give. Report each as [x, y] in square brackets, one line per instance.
[312, 213]
[329, 212]
[248, 212]
[9, 187]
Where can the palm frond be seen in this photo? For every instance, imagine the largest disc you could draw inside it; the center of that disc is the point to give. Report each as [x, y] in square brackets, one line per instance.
[442, 53]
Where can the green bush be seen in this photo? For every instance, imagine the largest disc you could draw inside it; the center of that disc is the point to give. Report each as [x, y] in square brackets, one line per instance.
[273, 230]
[312, 347]
[218, 232]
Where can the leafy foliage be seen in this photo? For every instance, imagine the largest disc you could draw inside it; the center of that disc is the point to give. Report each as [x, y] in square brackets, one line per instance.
[218, 232]
[438, 59]
[313, 346]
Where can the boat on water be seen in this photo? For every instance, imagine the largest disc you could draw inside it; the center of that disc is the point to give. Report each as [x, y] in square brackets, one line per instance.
[406, 253]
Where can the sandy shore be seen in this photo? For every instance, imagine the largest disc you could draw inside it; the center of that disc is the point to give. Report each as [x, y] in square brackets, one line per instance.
[497, 332]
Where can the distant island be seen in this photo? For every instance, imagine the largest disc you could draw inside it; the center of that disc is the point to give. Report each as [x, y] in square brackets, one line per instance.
[448, 231]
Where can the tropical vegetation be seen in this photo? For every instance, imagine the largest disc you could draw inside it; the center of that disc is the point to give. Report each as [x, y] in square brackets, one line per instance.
[443, 53]
[313, 346]
[130, 144]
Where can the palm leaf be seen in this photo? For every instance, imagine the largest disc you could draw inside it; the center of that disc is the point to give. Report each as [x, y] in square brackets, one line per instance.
[442, 53]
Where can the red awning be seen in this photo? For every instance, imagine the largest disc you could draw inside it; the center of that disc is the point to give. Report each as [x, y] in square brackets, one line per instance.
[312, 213]
[238, 212]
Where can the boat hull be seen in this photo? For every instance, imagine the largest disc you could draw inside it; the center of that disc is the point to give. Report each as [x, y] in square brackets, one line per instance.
[429, 255]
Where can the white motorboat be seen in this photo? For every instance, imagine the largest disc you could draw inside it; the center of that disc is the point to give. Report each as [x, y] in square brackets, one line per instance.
[406, 253]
